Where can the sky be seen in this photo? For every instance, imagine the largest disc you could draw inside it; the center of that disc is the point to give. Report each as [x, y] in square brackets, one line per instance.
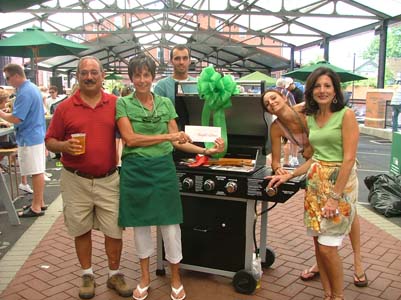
[341, 52]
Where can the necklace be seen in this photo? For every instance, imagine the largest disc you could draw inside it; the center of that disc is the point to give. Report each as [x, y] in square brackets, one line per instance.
[152, 117]
[143, 108]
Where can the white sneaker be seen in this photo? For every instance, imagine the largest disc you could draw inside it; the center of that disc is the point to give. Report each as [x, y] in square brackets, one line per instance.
[46, 177]
[48, 174]
[26, 188]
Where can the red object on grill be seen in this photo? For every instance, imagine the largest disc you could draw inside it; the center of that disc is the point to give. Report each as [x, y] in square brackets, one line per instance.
[200, 160]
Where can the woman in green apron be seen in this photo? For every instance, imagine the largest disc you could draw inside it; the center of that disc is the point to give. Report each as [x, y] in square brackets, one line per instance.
[149, 193]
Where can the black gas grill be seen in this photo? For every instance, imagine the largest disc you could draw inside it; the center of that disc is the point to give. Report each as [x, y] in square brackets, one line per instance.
[219, 201]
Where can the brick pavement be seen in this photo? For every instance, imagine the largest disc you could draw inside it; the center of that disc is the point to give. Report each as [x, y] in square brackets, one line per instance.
[52, 271]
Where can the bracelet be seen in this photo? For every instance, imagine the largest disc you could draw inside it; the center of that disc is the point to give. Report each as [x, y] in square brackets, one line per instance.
[335, 196]
[204, 151]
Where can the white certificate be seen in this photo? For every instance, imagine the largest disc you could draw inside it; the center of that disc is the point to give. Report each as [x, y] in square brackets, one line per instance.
[203, 133]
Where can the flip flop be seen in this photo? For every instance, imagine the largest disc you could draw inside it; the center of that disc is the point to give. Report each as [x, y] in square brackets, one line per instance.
[29, 213]
[43, 208]
[309, 274]
[175, 292]
[359, 282]
[142, 291]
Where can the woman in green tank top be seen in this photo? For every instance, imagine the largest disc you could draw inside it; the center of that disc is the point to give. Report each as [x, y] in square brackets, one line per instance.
[332, 184]
[291, 124]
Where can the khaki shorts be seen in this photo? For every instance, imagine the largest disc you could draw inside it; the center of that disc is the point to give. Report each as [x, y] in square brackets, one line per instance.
[32, 159]
[91, 204]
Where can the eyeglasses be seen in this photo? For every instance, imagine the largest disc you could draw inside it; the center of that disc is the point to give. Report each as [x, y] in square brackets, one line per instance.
[85, 73]
[151, 119]
[8, 77]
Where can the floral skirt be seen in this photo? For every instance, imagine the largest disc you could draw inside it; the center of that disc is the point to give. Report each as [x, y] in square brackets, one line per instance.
[321, 178]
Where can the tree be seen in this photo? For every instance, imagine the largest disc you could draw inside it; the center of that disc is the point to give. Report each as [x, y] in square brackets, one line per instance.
[393, 45]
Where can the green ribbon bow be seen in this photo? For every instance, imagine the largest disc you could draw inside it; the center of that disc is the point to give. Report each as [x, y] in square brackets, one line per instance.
[216, 89]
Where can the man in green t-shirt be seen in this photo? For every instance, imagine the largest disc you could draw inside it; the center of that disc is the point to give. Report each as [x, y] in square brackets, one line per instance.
[180, 58]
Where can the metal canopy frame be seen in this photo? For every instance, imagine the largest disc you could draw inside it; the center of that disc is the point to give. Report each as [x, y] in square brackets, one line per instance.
[115, 30]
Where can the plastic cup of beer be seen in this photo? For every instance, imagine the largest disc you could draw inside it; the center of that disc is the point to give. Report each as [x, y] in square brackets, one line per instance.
[81, 138]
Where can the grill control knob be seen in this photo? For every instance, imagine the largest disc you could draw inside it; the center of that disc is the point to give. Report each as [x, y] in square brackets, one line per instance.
[231, 187]
[187, 183]
[271, 192]
[209, 185]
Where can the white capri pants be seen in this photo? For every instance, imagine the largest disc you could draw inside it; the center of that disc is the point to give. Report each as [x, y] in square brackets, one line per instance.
[171, 235]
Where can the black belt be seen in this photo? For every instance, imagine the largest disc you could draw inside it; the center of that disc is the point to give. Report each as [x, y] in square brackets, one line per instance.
[89, 176]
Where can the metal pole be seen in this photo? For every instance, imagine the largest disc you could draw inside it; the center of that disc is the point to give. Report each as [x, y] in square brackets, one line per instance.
[353, 86]
[382, 30]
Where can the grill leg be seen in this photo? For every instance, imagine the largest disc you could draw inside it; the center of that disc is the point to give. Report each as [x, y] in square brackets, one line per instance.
[263, 232]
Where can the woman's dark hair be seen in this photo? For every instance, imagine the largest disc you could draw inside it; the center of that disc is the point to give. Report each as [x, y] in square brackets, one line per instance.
[267, 91]
[311, 106]
[278, 92]
[137, 63]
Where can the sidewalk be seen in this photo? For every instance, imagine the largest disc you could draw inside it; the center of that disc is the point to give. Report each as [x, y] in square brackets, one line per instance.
[43, 264]
[385, 133]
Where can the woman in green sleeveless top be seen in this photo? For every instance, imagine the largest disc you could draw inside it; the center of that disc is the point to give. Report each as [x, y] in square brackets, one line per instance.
[149, 193]
[332, 184]
[291, 124]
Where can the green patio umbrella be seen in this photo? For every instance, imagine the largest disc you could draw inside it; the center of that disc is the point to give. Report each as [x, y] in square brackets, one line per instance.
[34, 42]
[270, 81]
[303, 73]
[114, 76]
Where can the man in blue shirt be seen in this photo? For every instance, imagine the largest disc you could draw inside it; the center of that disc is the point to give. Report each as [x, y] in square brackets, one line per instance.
[180, 58]
[293, 88]
[28, 117]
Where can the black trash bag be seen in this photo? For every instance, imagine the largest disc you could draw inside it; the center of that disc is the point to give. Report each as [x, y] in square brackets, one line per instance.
[385, 194]
[369, 180]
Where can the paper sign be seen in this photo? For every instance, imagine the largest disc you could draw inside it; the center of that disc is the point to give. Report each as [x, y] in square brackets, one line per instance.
[203, 133]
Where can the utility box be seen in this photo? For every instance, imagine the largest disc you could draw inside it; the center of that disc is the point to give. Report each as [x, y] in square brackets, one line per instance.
[395, 162]
[376, 107]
